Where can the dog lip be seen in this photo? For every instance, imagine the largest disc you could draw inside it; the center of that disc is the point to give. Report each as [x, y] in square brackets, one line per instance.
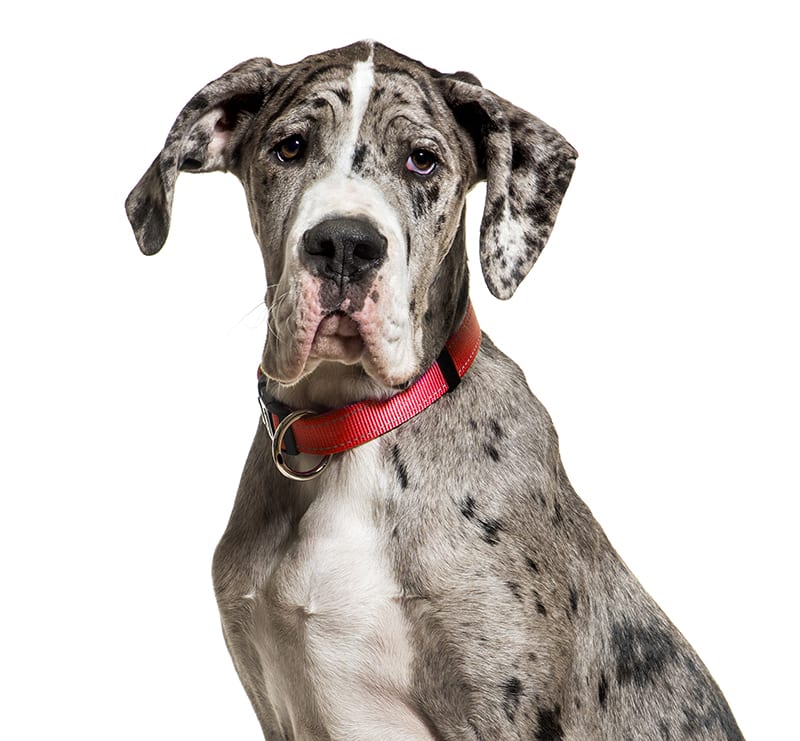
[337, 338]
[338, 324]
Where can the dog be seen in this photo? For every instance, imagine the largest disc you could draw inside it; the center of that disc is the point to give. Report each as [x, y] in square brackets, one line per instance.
[406, 558]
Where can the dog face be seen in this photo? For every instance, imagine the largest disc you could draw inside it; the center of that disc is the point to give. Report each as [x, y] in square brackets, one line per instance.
[356, 189]
[356, 164]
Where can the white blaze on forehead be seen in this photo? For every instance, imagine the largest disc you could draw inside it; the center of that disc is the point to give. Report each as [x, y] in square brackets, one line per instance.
[384, 320]
[361, 82]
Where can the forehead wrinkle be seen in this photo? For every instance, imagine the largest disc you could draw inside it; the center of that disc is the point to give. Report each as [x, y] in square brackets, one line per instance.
[306, 114]
[294, 87]
[335, 103]
[418, 129]
[386, 71]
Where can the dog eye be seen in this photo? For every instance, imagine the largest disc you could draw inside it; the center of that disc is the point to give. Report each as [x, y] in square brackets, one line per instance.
[421, 162]
[290, 148]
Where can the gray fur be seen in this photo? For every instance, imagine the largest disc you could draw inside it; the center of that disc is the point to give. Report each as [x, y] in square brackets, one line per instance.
[519, 618]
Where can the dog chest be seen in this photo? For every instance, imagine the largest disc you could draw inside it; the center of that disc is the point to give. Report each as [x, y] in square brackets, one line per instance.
[328, 626]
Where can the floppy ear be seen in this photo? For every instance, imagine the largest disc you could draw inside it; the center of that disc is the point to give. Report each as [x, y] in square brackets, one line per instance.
[203, 138]
[527, 166]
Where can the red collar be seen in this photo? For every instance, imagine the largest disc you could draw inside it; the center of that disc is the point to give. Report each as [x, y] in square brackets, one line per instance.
[304, 431]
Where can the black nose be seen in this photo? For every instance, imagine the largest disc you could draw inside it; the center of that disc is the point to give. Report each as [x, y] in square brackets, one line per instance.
[343, 249]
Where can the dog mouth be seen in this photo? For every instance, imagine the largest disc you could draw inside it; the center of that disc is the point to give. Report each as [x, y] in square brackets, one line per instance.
[337, 338]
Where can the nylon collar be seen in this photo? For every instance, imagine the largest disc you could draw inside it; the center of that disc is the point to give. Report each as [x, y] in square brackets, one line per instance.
[328, 433]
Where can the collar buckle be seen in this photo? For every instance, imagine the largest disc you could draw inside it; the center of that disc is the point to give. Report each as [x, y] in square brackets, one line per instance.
[278, 420]
[280, 450]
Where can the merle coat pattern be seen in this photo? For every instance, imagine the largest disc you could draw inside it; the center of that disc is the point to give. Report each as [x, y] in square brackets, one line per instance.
[443, 581]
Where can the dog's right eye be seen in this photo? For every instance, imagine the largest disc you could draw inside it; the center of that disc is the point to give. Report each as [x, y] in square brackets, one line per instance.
[421, 162]
[290, 148]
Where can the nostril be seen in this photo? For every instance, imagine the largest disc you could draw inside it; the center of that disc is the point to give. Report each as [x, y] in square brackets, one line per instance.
[324, 247]
[316, 242]
[371, 250]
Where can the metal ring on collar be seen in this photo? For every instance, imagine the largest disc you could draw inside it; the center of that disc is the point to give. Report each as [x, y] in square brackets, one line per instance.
[279, 457]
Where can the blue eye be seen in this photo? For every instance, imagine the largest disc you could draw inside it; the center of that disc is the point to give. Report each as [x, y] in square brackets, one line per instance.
[421, 162]
[290, 148]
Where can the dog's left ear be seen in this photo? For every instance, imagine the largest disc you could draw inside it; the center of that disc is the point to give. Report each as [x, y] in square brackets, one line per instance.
[203, 138]
[527, 166]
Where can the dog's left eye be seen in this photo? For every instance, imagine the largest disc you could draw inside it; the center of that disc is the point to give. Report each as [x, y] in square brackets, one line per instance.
[421, 162]
[290, 148]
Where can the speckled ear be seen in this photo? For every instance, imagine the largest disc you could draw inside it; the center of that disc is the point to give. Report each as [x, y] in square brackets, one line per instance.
[202, 139]
[527, 166]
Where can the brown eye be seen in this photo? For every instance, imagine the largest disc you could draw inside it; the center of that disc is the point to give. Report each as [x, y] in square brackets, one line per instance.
[421, 162]
[290, 148]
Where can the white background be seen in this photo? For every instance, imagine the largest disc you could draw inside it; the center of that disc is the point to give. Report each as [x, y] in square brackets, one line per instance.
[660, 328]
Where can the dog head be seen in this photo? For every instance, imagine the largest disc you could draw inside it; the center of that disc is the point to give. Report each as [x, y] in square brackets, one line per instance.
[356, 164]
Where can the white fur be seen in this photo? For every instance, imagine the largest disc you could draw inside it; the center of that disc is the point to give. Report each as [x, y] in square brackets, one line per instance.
[329, 627]
[361, 81]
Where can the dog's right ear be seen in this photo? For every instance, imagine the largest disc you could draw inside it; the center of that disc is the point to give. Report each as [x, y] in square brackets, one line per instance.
[203, 138]
[527, 166]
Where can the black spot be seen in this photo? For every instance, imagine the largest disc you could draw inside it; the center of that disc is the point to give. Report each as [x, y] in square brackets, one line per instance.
[490, 530]
[343, 95]
[393, 70]
[492, 452]
[514, 587]
[358, 157]
[497, 430]
[197, 103]
[418, 202]
[400, 466]
[602, 690]
[319, 102]
[642, 652]
[532, 565]
[558, 515]
[534, 243]
[539, 211]
[573, 599]
[549, 725]
[512, 690]
[468, 507]
[494, 210]
[540, 608]
[520, 157]
[432, 194]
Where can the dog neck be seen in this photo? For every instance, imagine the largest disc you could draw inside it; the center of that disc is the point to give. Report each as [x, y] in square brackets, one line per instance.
[328, 386]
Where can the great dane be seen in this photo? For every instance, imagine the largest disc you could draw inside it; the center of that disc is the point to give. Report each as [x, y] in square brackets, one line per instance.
[418, 566]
